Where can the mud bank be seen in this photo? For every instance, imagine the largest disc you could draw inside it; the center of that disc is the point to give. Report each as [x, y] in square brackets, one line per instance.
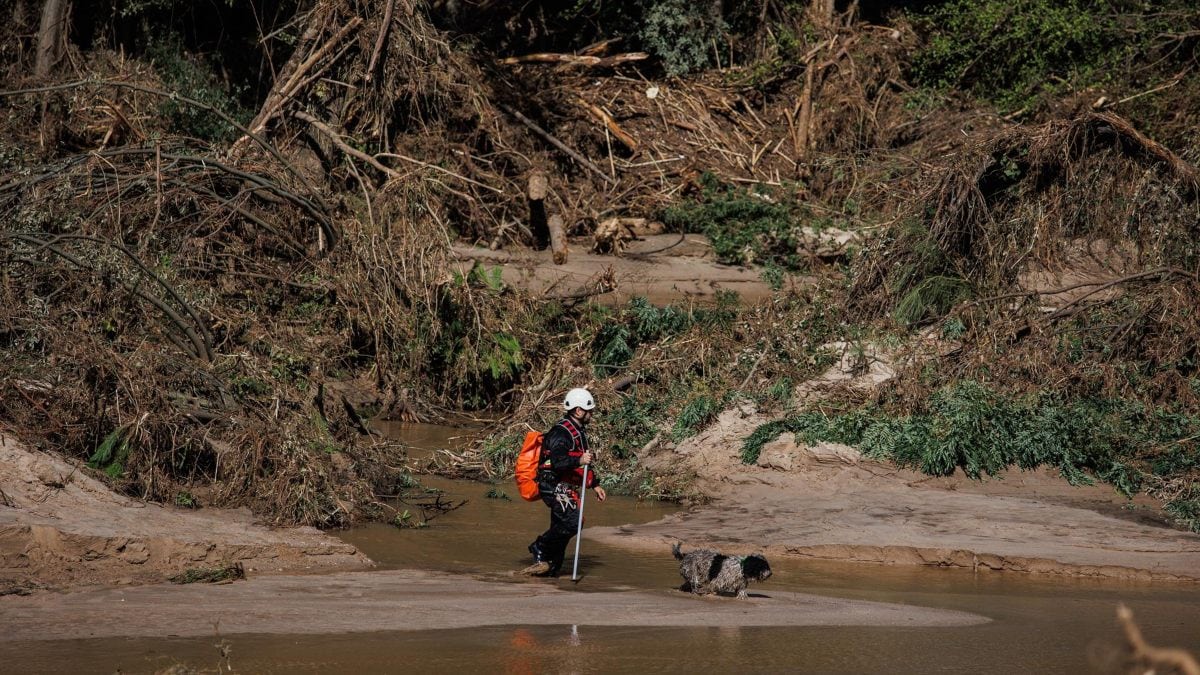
[663, 268]
[829, 503]
[61, 528]
[413, 600]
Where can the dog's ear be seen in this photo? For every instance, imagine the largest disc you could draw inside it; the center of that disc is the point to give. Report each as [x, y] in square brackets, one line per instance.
[755, 566]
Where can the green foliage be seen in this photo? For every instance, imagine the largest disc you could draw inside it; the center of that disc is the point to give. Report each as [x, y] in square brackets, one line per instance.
[1007, 51]
[628, 426]
[500, 451]
[612, 349]
[685, 35]
[953, 328]
[745, 227]
[481, 277]
[1185, 508]
[969, 426]
[932, 297]
[496, 493]
[191, 76]
[696, 413]
[407, 520]
[504, 359]
[186, 500]
[641, 322]
[112, 453]
[248, 387]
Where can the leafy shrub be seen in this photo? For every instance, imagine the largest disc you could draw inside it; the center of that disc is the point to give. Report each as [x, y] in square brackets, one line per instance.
[640, 322]
[745, 228]
[682, 33]
[969, 426]
[695, 414]
[192, 77]
[1006, 51]
[627, 427]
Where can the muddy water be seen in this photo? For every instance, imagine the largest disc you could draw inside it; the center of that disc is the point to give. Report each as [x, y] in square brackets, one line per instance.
[1039, 624]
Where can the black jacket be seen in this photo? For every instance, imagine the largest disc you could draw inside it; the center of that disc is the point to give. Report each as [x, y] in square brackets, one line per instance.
[560, 456]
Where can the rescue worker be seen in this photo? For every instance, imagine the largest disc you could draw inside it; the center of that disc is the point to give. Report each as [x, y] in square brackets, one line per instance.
[565, 452]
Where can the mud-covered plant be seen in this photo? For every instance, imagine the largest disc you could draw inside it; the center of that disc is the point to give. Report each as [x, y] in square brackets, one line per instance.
[210, 575]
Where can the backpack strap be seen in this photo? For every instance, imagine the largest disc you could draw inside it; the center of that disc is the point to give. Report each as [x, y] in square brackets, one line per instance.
[580, 441]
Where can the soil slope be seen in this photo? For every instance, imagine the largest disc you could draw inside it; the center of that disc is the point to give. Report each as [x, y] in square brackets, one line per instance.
[663, 268]
[61, 528]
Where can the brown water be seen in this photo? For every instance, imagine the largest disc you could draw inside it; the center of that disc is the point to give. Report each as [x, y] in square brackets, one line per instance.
[1039, 624]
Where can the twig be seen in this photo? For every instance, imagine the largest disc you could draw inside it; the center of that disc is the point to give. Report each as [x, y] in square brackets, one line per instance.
[611, 124]
[175, 96]
[279, 96]
[1176, 80]
[1163, 272]
[383, 31]
[576, 60]
[583, 161]
[435, 167]
[343, 145]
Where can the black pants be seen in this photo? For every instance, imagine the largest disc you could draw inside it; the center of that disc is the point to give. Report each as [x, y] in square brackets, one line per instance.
[563, 500]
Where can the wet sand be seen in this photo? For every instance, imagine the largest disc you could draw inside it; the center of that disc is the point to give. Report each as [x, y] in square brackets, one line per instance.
[829, 503]
[414, 599]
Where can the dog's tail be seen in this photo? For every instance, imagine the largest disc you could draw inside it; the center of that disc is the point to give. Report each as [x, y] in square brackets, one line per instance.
[676, 552]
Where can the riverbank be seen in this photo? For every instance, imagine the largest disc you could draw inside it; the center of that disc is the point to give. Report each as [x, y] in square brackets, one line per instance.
[418, 600]
[60, 528]
[828, 502]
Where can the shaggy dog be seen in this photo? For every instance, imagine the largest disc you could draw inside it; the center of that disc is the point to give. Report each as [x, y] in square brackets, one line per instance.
[706, 571]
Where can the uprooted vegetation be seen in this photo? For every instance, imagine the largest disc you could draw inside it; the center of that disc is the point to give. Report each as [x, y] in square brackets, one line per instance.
[200, 253]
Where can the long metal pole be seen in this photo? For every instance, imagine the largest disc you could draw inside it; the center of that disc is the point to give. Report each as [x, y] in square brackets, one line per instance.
[579, 527]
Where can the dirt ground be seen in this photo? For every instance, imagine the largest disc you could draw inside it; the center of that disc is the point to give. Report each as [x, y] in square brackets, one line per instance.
[60, 528]
[827, 502]
[418, 600]
[663, 268]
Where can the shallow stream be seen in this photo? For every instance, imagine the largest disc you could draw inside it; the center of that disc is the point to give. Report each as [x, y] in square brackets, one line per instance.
[1039, 624]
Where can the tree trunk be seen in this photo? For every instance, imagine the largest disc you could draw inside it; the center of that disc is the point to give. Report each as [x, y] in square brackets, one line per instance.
[51, 36]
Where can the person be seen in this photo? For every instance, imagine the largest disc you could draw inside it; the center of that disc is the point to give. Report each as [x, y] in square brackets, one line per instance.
[565, 452]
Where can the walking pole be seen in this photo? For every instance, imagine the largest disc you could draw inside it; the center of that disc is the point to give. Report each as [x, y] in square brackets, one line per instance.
[579, 527]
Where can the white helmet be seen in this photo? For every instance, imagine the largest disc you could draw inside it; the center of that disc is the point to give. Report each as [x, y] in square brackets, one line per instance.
[579, 398]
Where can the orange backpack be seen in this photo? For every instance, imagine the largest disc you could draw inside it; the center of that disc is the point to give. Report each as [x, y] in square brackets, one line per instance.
[527, 466]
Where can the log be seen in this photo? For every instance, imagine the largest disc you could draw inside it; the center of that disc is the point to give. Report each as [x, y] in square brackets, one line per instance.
[577, 60]
[621, 135]
[1151, 658]
[52, 32]
[558, 239]
[538, 187]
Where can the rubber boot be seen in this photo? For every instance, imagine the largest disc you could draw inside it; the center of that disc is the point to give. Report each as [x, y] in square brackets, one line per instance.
[540, 566]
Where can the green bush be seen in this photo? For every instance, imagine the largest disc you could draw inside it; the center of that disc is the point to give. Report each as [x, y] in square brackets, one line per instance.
[1007, 51]
[685, 35]
[981, 431]
[745, 228]
[639, 323]
[193, 77]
